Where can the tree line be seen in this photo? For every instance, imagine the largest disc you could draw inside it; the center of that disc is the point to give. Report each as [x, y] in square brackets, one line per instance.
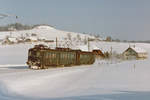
[15, 26]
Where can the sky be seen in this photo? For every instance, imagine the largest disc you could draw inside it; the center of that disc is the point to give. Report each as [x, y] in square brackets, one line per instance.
[122, 19]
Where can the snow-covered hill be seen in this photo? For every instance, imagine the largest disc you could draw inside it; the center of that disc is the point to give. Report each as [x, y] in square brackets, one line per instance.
[44, 31]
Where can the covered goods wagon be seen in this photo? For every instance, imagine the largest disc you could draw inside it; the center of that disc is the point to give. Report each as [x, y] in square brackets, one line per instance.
[42, 57]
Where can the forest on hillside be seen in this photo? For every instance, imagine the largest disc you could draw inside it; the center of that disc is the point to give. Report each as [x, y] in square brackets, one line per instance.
[16, 26]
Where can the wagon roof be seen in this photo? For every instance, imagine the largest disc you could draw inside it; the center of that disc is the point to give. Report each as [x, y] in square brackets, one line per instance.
[85, 48]
[60, 49]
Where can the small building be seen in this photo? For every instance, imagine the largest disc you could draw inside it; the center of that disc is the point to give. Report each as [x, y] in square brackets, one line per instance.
[10, 40]
[135, 53]
[20, 40]
[33, 34]
[31, 39]
[41, 38]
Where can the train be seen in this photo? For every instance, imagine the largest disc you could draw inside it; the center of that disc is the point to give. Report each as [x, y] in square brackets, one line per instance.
[43, 57]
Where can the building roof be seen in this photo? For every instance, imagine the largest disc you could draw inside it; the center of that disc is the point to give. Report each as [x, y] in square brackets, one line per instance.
[42, 38]
[138, 50]
[12, 39]
[32, 38]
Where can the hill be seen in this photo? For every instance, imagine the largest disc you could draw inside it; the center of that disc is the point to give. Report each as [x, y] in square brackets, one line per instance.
[43, 31]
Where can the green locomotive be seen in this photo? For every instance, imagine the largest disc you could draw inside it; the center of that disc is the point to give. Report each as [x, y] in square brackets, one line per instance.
[42, 57]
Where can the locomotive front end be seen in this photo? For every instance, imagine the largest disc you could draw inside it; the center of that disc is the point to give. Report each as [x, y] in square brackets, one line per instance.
[34, 59]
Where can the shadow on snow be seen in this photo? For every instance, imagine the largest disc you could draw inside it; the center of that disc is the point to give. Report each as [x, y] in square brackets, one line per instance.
[124, 95]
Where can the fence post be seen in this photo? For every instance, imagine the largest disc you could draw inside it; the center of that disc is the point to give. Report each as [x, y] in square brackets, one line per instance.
[56, 42]
[88, 44]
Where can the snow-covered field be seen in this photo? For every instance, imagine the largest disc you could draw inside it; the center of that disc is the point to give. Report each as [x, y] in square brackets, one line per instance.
[104, 80]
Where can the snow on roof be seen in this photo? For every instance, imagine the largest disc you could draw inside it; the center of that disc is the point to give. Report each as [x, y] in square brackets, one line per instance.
[85, 47]
[12, 39]
[93, 47]
[138, 49]
[32, 38]
[82, 47]
[42, 38]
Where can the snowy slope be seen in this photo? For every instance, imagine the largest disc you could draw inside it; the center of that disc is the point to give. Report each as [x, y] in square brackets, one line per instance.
[104, 80]
[47, 32]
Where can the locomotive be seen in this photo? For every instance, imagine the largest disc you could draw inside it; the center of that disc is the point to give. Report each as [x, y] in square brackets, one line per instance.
[42, 57]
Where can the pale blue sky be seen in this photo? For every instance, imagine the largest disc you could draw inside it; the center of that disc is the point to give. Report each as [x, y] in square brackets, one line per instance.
[124, 19]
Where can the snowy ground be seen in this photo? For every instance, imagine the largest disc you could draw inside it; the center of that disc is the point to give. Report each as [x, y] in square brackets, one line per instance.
[104, 80]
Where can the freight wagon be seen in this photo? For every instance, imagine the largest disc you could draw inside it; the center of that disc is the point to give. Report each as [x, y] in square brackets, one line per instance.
[42, 57]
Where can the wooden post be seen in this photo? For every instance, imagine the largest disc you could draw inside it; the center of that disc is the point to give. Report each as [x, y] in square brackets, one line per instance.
[88, 44]
[56, 42]
[111, 50]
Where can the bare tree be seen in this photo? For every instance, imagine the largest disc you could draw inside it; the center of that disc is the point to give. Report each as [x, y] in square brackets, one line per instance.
[85, 40]
[69, 36]
[109, 39]
[78, 37]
